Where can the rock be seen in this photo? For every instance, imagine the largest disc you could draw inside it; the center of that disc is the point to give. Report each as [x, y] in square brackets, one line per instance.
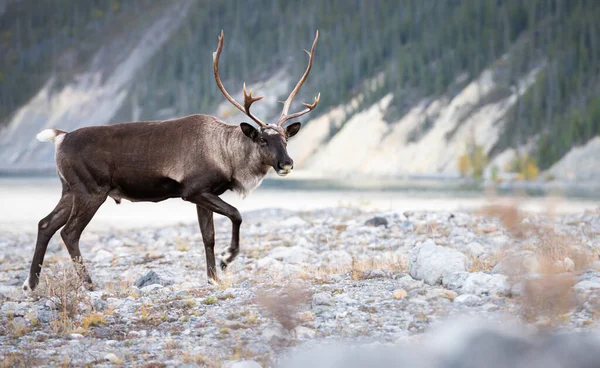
[304, 333]
[373, 274]
[455, 280]
[15, 309]
[181, 293]
[467, 299]
[103, 257]
[305, 316]
[75, 336]
[293, 255]
[241, 364]
[151, 288]
[275, 268]
[336, 261]
[400, 294]
[569, 265]
[293, 221]
[150, 278]
[472, 248]
[276, 335]
[517, 264]
[97, 302]
[377, 221]
[440, 293]
[408, 283]
[587, 290]
[110, 357]
[430, 262]
[480, 283]
[488, 228]
[323, 299]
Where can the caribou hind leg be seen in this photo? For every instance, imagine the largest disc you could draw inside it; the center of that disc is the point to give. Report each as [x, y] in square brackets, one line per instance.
[207, 228]
[84, 208]
[47, 227]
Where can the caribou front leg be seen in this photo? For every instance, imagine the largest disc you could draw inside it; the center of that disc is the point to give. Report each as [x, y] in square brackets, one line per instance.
[213, 203]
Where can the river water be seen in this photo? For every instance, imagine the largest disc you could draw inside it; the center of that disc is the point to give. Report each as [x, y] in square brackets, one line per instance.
[25, 200]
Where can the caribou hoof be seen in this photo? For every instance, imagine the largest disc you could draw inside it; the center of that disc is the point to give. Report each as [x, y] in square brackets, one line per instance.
[27, 289]
[223, 265]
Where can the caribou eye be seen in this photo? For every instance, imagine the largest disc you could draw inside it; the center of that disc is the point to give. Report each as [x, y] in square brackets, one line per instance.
[262, 142]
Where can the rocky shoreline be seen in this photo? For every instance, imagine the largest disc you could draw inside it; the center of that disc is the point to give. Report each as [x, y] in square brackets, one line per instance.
[303, 280]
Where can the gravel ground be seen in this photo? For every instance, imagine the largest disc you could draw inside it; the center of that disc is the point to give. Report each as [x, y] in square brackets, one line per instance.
[340, 277]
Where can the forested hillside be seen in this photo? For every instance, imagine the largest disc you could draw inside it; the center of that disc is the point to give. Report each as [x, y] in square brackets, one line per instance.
[413, 49]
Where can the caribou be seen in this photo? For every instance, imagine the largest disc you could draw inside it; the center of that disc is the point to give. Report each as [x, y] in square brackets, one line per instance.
[196, 158]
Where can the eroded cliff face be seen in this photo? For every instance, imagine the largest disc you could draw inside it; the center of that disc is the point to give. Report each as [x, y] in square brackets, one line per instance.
[91, 97]
[429, 138]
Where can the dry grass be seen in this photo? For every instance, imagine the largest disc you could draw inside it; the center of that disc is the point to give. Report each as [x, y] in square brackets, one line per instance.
[284, 304]
[509, 216]
[92, 319]
[16, 330]
[19, 359]
[62, 286]
[392, 263]
[485, 262]
[547, 297]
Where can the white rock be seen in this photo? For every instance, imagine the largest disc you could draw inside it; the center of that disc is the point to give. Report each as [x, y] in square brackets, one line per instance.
[293, 221]
[151, 288]
[472, 248]
[408, 283]
[430, 262]
[322, 299]
[518, 263]
[275, 334]
[15, 309]
[467, 299]
[241, 364]
[304, 333]
[75, 336]
[336, 261]
[569, 264]
[112, 358]
[455, 280]
[480, 283]
[294, 254]
[103, 256]
[587, 285]
[275, 268]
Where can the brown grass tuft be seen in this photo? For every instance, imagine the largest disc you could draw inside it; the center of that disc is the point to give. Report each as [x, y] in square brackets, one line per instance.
[284, 304]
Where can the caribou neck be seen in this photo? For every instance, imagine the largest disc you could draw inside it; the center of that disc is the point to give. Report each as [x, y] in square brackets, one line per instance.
[246, 163]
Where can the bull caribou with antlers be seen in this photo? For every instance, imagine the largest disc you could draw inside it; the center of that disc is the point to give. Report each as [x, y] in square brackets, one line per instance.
[196, 158]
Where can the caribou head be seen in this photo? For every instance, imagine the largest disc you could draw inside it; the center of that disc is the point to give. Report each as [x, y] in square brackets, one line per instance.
[271, 139]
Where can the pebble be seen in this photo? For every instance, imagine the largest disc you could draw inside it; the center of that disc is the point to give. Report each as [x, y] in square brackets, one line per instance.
[400, 294]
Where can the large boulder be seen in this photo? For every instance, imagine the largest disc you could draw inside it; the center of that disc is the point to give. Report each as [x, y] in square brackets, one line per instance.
[430, 262]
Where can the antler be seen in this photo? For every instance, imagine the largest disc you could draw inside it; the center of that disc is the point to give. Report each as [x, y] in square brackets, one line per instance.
[248, 99]
[309, 107]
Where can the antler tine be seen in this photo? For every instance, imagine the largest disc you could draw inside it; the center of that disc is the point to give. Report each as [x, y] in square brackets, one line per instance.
[286, 106]
[309, 108]
[248, 99]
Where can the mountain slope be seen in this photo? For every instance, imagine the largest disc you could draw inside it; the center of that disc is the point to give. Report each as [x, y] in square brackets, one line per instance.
[515, 70]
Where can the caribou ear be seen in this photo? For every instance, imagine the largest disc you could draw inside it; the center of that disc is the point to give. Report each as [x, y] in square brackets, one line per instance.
[292, 129]
[249, 131]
